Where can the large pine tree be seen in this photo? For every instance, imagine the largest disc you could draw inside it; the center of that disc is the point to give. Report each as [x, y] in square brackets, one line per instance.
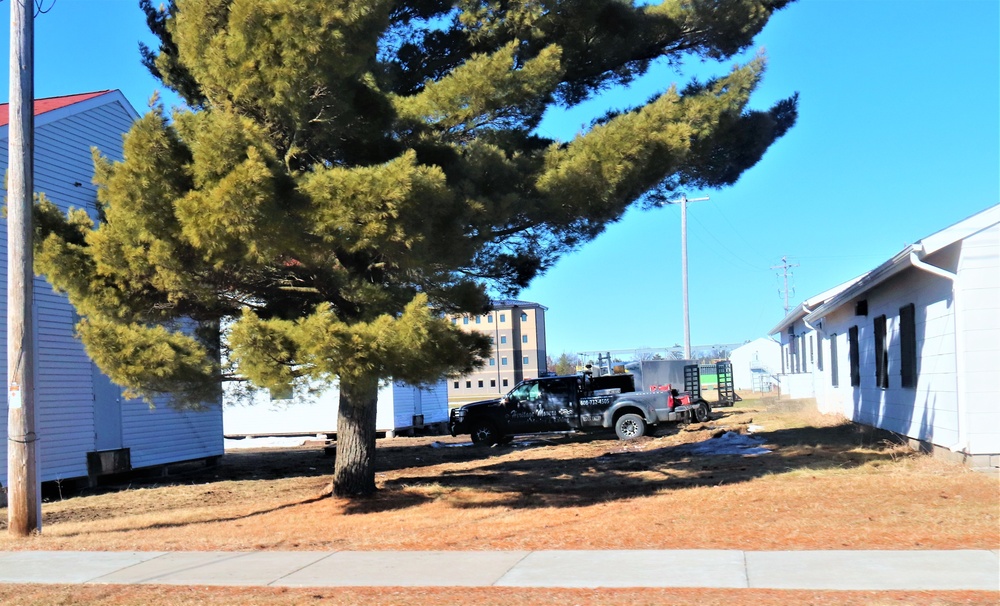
[347, 171]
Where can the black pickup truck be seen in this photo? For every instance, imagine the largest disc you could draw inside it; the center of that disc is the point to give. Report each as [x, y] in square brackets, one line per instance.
[576, 402]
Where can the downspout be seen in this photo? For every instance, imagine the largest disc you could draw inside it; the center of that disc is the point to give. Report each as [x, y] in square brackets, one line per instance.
[916, 253]
[805, 321]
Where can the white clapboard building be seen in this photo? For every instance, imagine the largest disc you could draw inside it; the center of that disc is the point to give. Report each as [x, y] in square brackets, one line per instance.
[912, 346]
[84, 426]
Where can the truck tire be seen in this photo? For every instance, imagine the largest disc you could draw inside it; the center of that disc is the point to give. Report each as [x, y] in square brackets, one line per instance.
[630, 426]
[701, 413]
[483, 434]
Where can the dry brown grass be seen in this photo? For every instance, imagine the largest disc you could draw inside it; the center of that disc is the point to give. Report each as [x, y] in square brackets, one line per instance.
[75, 595]
[827, 485]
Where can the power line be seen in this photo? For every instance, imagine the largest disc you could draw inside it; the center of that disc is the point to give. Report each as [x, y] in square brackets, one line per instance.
[723, 246]
[39, 7]
[749, 245]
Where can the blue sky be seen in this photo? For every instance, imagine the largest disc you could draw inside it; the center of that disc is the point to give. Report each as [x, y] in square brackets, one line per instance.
[898, 136]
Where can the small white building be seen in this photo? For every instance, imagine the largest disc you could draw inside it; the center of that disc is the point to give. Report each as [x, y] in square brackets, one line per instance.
[756, 365]
[401, 408]
[83, 424]
[913, 346]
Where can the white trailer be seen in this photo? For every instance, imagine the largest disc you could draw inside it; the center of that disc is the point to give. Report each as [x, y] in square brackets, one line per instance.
[402, 408]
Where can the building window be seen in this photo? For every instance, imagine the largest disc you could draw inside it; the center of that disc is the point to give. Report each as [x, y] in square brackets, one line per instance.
[505, 382]
[853, 354]
[812, 357]
[465, 320]
[792, 357]
[456, 384]
[489, 319]
[907, 346]
[493, 361]
[881, 354]
[524, 317]
[526, 360]
[800, 359]
[503, 317]
[503, 339]
[284, 392]
[480, 383]
[454, 320]
[468, 384]
[503, 361]
[524, 338]
[493, 382]
[819, 354]
[834, 362]
[479, 319]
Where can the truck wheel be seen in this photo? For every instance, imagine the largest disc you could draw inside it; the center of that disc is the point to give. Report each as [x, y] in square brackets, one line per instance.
[630, 426]
[702, 413]
[483, 434]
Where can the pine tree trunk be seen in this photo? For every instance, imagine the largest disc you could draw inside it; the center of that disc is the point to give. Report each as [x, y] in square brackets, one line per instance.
[354, 468]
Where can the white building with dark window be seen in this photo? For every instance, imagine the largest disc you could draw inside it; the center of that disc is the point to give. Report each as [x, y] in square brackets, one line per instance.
[517, 331]
[85, 427]
[913, 346]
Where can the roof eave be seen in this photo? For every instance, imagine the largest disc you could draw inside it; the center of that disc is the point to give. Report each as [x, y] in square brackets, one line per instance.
[875, 277]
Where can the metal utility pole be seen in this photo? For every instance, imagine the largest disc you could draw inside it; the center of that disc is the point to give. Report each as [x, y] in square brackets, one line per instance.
[784, 267]
[683, 200]
[24, 502]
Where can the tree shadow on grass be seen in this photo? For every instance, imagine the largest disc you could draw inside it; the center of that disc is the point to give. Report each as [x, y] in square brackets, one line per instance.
[621, 474]
[187, 523]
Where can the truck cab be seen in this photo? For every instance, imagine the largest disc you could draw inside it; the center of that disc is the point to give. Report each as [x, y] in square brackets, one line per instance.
[575, 402]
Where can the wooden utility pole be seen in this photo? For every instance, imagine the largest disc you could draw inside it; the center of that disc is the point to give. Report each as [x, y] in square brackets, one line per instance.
[683, 201]
[24, 502]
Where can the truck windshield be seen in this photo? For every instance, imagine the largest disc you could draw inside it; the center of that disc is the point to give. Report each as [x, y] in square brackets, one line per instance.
[524, 392]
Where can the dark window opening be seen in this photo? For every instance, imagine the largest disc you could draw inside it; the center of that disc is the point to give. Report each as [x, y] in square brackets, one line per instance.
[468, 384]
[480, 384]
[493, 382]
[800, 355]
[907, 346]
[834, 363]
[792, 366]
[819, 354]
[853, 354]
[505, 382]
[861, 308]
[456, 384]
[881, 354]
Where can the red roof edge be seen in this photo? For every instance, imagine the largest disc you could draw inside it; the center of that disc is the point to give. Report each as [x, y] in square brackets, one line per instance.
[51, 103]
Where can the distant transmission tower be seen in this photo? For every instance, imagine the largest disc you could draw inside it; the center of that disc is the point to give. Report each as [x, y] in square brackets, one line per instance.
[785, 268]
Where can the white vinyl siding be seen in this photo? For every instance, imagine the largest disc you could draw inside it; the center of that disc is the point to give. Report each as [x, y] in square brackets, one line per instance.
[317, 414]
[979, 268]
[64, 382]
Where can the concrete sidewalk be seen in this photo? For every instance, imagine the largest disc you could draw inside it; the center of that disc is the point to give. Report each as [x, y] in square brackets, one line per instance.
[816, 570]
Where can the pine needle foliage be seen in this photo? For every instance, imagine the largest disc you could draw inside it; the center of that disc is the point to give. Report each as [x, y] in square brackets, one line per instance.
[345, 172]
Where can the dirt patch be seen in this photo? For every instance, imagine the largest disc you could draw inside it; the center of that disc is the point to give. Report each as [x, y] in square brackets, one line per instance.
[825, 484]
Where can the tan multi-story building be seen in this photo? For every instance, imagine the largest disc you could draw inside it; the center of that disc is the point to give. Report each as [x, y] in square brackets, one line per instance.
[517, 330]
